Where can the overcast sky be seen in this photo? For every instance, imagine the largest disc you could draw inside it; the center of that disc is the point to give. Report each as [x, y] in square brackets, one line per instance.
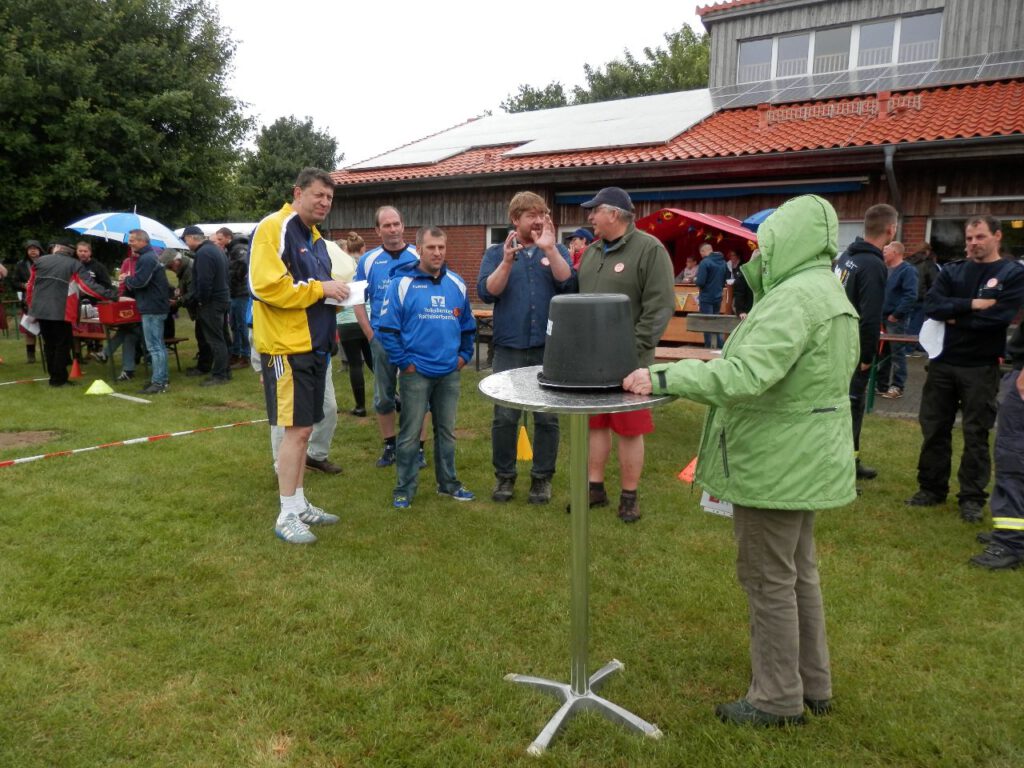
[376, 75]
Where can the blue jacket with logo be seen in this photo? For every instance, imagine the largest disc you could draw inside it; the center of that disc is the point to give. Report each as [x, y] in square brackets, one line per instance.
[376, 267]
[427, 321]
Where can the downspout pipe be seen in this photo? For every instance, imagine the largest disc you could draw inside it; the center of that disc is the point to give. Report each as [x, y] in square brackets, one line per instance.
[889, 151]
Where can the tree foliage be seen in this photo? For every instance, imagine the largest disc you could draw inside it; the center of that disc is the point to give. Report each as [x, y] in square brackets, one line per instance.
[529, 98]
[113, 105]
[282, 150]
[679, 66]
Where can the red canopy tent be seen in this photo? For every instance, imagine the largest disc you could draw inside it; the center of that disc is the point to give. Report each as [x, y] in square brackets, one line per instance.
[683, 232]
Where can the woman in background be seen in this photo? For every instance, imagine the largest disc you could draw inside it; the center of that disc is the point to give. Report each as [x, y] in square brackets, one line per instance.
[353, 342]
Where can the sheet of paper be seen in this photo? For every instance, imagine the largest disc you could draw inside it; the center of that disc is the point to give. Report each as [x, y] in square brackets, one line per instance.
[356, 295]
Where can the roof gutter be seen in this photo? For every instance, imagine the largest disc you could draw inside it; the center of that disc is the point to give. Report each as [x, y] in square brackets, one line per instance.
[889, 151]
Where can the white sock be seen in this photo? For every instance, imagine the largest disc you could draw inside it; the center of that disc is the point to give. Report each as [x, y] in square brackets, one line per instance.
[300, 498]
[289, 506]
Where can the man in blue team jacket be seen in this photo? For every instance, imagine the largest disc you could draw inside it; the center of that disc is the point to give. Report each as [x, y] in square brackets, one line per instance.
[427, 329]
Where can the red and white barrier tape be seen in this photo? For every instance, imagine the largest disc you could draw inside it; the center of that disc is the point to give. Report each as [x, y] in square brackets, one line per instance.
[21, 381]
[133, 441]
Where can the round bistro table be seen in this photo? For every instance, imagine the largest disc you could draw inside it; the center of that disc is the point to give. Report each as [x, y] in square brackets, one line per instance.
[518, 388]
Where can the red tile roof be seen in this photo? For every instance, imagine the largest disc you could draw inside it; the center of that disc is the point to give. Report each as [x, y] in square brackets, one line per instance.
[978, 110]
[715, 7]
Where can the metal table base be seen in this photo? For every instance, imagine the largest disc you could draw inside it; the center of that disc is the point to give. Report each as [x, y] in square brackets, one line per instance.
[519, 389]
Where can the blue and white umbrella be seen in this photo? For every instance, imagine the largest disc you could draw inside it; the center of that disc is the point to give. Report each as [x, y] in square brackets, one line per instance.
[115, 225]
[754, 221]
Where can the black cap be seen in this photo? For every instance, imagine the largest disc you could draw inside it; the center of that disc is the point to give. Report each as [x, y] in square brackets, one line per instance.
[613, 196]
[192, 229]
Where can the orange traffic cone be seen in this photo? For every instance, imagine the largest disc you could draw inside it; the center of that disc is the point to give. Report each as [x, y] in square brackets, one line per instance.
[76, 370]
[689, 471]
[524, 451]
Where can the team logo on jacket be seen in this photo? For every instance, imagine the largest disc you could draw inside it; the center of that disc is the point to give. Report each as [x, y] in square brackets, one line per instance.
[437, 302]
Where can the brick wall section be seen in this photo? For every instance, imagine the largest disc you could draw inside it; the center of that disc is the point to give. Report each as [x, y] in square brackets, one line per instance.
[465, 250]
[913, 232]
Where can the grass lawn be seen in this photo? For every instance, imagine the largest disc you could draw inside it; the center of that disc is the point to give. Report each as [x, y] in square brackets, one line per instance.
[148, 616]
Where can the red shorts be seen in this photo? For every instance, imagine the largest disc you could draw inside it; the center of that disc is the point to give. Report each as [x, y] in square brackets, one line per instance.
[627, 424]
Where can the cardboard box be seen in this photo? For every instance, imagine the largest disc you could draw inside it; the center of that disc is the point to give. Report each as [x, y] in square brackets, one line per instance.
[118, 312]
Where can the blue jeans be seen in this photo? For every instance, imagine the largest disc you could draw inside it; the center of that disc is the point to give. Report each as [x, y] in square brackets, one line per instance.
[239, 330]
[442, 396]
[385, 379]
[126, 337]
[505, 425]
[711, 308]
[896, 361]
[153, 333]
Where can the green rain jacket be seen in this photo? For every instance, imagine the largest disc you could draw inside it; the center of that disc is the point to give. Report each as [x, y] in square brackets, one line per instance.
[778, 434]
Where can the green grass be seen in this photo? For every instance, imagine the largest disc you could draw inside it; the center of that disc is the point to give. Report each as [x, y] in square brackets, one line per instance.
[148, 616]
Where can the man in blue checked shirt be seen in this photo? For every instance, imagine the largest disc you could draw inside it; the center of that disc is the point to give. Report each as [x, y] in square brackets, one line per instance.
[519, 276]
[427, 329]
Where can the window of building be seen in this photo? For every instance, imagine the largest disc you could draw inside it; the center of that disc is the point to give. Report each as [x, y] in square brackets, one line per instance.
[792, 55]
[497, 234]
[875, 46]
[831, 50]
[871, 44]
[919, 37]
[848, 232]
[755, 61]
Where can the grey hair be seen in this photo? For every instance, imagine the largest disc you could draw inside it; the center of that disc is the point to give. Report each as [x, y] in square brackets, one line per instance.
[621, 213]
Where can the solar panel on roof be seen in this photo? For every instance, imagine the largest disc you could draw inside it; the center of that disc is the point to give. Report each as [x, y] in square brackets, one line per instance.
[1001, 71]
[1003, 57]
[646, 120]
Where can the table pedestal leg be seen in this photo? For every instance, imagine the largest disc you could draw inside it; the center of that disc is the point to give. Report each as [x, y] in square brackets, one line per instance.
[579, 693]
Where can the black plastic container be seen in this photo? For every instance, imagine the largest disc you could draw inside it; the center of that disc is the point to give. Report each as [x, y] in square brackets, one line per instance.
[590, 343]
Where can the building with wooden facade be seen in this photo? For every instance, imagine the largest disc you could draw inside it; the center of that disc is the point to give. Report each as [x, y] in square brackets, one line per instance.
[917, 103]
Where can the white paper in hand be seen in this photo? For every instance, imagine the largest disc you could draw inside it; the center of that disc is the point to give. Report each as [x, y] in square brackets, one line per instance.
[356, 295]
[30, 324]
[933, 333]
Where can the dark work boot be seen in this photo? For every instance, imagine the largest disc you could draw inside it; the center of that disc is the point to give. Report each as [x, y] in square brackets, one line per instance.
[865, 472]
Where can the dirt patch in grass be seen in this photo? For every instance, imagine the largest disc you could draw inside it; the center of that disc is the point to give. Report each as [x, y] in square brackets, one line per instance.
[25, 439]
[229, 405]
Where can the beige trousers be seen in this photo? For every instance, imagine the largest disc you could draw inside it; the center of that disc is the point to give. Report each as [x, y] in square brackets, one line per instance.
[777, 568]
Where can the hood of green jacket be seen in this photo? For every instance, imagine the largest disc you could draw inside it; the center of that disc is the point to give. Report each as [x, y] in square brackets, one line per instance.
[802, 233]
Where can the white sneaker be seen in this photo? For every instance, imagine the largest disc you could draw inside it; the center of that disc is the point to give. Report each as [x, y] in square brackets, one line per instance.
[315, 516]
[893, 393]
[294, 531]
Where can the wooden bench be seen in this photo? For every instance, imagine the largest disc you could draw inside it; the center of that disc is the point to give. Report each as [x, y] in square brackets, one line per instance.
[171, 342]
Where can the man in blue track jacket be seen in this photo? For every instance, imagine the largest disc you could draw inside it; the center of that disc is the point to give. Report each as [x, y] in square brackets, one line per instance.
[427, 328]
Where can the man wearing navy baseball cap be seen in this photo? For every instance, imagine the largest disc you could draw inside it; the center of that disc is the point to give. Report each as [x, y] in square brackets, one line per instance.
[625, 260]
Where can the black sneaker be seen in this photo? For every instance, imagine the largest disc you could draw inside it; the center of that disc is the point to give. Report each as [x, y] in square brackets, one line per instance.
[925, 499]
[154, 389]
[971, 511]
[818, 707]
[742, 712]
[504, 487]
[358, 412]
[540, 490]
[984, 537]
[196, 372]
[996, 557]
[865, 472]
[125, 376]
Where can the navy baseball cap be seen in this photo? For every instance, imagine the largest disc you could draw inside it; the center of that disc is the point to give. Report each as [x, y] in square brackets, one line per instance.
[613, 196]
[586, 234]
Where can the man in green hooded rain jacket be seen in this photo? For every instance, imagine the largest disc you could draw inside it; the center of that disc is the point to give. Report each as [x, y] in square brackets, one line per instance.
[777, 444]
